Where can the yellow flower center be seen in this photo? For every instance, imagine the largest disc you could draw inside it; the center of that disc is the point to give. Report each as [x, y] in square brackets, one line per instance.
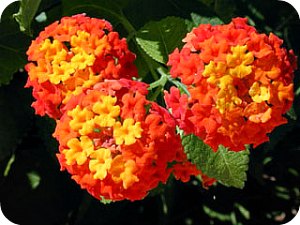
[123, 171]
[81, 120]
[107, 111]
[227, 95]
[214, 71]
[127, 132]
[79, 150]
[240, 61]
[237, 66]
[100, 163]
[259, 93]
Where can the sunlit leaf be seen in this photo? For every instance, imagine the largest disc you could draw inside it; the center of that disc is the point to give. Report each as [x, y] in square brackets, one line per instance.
[27, 11]
[159, 39]
[228, 167]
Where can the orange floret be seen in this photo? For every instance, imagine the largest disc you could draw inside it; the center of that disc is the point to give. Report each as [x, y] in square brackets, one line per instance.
[72, 55]
[117, 144]
[240, 84]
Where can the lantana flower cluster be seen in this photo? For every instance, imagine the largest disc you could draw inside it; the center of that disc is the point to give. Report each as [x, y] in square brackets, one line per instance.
[114, 142]
[239, 83]
[119, 145]
[72, 55]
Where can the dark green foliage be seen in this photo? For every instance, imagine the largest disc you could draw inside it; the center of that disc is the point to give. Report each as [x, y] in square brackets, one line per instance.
[27, 11]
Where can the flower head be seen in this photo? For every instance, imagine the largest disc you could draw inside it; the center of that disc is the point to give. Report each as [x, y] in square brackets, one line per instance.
[240, 84]
[72, 55]
[117, 144]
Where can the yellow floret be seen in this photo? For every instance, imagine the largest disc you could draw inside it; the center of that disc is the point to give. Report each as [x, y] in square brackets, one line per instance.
[107, 111]
[127, 132]
[100, 163]
[259, 93]
[123, 171]
[79, 118]
[79, 150]
[240, 61]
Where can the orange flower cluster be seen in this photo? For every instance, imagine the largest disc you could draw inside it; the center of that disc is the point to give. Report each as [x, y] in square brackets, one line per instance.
[112, 140]
[117, 144]
[240, 84]
[72, 55]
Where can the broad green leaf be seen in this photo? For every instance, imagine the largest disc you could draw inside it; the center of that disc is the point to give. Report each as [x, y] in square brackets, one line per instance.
[27, 11]
[13, 45]
[158, 39]
[228, 167]
[143, 62]
[198, 19]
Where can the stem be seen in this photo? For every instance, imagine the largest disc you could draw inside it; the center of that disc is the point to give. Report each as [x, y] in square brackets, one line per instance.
[160, 82]
[177, 83]
[154, 96]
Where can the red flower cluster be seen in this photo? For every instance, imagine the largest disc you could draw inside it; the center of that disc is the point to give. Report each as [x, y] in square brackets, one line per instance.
[72, 55]
[112, 140]
[240, 83]
[117, 144]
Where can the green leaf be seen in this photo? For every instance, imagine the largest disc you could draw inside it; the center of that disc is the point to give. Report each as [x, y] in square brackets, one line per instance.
[9, 164]
[27, 11]
[105, 201]
[245, 212]
[145, 64]
[198, 19]
[228, 167]
[34, 179]
[158, 39]
[216, 215]
[13, 45]
[292, 114]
